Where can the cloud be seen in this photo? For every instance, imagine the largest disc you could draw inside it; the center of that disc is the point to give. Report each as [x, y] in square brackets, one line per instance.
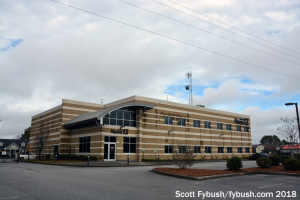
[67, 53]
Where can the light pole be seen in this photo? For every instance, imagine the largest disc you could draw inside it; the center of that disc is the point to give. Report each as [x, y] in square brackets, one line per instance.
[289, 104]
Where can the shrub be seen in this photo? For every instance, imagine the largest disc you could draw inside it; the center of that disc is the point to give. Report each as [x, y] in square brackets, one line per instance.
[297, 156]
[283, 158]
[275, 160]
[62, 157]
[234, 163]
[264, 162]
[82, 157]
[74, 157]
[183, 156]
[291, 164]
[93, 158]
[47, 156]
[278, 152]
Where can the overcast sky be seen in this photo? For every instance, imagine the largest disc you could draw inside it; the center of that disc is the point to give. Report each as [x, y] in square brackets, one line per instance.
[50, 52]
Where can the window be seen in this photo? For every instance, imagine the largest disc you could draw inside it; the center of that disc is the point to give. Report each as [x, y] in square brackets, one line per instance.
[197, 123]
[229, 149]
[228, 127]
[182, 149]
[246, 129]
[207, 149]
[169, 120]
[84, 145]
[22, 144]
[110, 139]
[129, 145]
[168, 149]
[1, 144]
[220, 149]
[247, 150]
[55, 150]
[240, 150]
[197, 149]
[206, 124]
[219, 126]
[181, 122]
[238, 128]
[121, 117]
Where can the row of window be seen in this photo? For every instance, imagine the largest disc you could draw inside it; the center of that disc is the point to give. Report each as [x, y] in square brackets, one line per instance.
[129, 144]
[22, 144]
[197, 149]
[196, 123]
[121, 117]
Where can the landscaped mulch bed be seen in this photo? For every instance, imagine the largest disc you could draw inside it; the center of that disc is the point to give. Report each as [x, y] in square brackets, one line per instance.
[209, 172]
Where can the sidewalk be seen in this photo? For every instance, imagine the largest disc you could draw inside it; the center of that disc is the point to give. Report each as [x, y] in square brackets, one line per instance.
[104, 164]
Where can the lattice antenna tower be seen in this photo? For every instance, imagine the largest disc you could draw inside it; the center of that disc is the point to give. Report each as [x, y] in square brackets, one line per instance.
[189, 87]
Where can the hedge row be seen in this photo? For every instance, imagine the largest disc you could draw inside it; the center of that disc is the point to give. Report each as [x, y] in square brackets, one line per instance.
[73, 157]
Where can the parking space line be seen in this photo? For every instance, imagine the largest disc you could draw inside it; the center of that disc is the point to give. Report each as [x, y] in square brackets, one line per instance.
[276, 184]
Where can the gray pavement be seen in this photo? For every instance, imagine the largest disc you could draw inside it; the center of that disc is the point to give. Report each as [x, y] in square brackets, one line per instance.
[34, 181]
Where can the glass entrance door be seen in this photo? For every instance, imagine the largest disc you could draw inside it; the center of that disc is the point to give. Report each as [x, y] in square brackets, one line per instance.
[110, 151]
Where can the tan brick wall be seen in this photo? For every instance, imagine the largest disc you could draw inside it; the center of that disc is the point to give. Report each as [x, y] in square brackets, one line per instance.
[151, 132]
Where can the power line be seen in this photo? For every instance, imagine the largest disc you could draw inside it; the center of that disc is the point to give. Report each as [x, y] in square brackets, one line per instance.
[207, 31]
[176, 40]
[233, 27]
[225, 29]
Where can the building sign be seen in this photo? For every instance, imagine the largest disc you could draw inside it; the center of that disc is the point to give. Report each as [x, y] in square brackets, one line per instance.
[242, 121]
[120, 131]
[290, 146]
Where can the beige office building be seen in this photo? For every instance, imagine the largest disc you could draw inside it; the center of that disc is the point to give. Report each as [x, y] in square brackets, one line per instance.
[142, 128]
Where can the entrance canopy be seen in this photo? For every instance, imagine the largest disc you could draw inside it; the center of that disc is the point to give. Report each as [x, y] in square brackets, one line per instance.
[95, 117]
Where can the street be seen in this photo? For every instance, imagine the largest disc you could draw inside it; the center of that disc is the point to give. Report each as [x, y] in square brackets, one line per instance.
[37, 181]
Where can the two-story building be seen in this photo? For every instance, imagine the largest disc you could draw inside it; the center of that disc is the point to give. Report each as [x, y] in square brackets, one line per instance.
[142, 128]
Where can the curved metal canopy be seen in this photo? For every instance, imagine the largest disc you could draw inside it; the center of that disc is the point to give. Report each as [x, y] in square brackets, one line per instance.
[98, 115]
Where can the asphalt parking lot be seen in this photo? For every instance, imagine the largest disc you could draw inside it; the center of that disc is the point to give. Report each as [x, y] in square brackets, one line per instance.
[35, 181]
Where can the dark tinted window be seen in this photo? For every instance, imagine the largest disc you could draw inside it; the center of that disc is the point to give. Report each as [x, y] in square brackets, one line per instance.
[196, 123]
[129, 145]
[84, 146]
[112, 139]
[126, 139]
[197, 149]
[122, 117]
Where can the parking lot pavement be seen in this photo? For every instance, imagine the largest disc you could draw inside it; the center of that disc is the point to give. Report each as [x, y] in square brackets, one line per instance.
[32, 181]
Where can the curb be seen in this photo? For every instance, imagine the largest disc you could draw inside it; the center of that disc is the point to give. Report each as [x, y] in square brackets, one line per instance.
[85, 165]
[222, 175]
[203, 177]
[280, 173]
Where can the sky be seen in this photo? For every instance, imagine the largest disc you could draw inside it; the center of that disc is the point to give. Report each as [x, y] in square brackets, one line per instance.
[244, 56]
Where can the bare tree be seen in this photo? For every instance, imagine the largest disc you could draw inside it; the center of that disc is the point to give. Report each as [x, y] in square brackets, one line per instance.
[17, 137]
[289, 130]
[183, 156]
[41, 139]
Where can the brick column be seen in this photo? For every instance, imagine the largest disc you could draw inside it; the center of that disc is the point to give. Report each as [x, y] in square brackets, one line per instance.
[139, 140]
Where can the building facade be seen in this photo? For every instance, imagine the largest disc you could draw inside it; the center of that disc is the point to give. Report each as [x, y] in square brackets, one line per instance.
[142, 128]
[13, 146]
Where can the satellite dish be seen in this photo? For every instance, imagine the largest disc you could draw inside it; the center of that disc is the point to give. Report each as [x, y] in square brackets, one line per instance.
[259, 148]
[187, 87]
